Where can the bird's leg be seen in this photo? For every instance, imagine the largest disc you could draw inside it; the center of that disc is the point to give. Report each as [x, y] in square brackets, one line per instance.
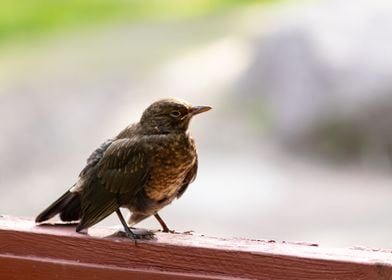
[134, 233]
[163, 224]
[128, 231]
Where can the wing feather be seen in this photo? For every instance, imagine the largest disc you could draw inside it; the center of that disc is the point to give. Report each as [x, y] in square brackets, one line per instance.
[121, 169]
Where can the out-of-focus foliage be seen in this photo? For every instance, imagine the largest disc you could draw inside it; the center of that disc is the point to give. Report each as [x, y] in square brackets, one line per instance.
[24, 18]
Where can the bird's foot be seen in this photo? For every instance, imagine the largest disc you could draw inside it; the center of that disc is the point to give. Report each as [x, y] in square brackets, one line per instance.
[167, 230]
[141, 233]
[135, 234]
[176, 232]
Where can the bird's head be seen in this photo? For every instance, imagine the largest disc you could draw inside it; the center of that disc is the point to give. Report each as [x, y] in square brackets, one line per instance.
[170, 115]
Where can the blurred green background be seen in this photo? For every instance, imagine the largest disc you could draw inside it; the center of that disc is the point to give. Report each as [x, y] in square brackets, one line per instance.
[297, 148]
[28, 19]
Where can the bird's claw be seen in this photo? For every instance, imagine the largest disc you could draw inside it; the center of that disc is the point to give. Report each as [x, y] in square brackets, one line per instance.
[176, 232]
[167, 230]
[135, 234]
[141, 233]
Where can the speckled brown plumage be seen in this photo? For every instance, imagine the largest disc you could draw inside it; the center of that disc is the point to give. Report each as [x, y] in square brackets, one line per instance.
[144, 168]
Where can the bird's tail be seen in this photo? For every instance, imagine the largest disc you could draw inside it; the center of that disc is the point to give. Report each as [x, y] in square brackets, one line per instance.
[68, 206]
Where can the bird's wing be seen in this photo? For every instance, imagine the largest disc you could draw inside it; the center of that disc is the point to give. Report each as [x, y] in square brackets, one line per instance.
[96, 156]
[121, 170]
[189, 178]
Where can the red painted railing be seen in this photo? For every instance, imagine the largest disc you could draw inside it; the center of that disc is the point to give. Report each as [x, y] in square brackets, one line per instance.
[58, 252]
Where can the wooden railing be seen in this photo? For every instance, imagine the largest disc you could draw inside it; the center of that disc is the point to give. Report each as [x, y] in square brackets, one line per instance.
[28, 251]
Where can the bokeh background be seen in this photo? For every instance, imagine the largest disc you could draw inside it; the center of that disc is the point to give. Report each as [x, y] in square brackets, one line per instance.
[297, 148]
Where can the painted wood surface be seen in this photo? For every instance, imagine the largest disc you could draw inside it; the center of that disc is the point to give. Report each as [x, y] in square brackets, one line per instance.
[28, 251]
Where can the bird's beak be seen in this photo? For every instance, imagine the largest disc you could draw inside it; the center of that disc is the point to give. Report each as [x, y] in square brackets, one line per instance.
[199, 109]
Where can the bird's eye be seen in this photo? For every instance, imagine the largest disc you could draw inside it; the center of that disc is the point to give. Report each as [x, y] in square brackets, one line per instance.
[175, 114]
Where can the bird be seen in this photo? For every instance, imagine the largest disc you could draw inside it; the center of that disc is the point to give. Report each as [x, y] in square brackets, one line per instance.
[144, 168]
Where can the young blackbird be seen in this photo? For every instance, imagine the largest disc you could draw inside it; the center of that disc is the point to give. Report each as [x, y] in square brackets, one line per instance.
[143, 169]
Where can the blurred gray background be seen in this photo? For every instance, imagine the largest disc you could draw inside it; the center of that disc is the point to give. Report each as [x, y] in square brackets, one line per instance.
[297, 148]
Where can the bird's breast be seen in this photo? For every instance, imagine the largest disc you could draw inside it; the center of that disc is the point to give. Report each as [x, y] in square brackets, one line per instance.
[170, 164]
